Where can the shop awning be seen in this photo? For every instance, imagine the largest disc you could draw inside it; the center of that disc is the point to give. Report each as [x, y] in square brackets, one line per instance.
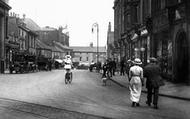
[144, 32]
[135, 36]
[59, 60]
[15, 46]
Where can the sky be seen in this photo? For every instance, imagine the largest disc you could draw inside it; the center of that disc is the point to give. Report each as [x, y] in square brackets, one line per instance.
[78, 15]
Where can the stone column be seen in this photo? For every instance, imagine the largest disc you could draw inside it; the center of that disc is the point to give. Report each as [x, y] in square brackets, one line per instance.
[2, 44]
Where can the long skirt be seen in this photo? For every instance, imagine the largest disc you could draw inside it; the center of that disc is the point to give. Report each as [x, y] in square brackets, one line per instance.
[135, 88]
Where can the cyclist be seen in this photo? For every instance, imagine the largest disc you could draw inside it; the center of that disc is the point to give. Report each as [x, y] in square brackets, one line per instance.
[68, 67]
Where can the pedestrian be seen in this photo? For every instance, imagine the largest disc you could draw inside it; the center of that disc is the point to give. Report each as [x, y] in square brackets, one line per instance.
[135, 82]
[105, 68]
[122, 66]
[128, 66]
[152, 72]
[109, 67]
[49, 64]
[113, 67]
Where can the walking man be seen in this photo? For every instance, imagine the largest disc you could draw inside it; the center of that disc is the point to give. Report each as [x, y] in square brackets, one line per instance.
[153, 82]
[113, 67]
[122, 65]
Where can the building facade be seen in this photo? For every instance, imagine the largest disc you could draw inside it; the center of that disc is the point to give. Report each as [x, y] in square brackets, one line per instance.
[4, 9]
[87, 55]
[21, 39]
[156, 28]
[130, 30]
[55, 38]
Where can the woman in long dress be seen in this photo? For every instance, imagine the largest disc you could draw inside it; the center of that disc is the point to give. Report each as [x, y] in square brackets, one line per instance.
[135, 77]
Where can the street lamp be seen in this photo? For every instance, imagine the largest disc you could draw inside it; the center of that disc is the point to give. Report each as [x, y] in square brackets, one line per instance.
[96, 25]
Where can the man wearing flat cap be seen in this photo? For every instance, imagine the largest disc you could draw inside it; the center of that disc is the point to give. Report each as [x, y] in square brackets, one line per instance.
[153, 82]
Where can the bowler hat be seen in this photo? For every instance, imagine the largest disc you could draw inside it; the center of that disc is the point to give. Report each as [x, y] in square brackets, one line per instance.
[153, 59]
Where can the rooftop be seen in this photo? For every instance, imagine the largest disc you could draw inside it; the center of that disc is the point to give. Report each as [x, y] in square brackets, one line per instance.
[87, 49]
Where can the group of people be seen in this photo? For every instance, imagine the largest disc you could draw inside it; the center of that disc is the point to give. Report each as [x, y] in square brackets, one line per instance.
[137, 76]
[109, 68]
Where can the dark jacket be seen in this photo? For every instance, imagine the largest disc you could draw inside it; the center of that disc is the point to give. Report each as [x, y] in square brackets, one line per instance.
[152, 73]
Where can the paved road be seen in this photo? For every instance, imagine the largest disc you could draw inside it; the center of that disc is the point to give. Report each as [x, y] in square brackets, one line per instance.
[85, 95]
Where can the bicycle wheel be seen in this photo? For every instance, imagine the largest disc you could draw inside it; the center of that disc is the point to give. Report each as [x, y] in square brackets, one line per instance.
[70, 77]
[66, 78]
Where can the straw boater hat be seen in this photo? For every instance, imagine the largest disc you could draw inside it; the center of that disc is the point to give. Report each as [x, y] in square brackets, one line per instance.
[137, 61]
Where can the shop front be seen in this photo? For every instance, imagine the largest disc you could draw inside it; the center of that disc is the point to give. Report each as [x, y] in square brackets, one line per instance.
[10, 50]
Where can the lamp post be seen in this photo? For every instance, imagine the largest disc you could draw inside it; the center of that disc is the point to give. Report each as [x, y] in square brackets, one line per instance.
[97, 26]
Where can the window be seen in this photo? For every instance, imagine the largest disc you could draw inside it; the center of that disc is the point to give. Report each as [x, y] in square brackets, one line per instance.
[163, 4]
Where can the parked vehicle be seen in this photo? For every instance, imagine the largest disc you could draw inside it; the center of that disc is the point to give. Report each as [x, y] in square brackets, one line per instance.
[18, 64]
[42, 63]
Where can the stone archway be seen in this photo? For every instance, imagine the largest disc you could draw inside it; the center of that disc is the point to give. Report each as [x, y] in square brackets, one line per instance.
[181, 57]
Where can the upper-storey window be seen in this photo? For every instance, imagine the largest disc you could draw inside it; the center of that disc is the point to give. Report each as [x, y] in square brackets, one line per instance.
[163, 4]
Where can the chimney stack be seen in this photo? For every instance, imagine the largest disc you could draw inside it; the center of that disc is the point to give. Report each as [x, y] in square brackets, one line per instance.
[24, 16]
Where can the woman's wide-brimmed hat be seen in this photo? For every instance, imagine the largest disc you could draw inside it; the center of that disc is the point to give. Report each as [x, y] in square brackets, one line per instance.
[137, 61]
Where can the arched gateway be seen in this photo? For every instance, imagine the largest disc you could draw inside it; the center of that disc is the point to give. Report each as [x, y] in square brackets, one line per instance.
[181, 56]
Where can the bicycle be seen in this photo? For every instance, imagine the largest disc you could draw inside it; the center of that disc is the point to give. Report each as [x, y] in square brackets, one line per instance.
[68, 76]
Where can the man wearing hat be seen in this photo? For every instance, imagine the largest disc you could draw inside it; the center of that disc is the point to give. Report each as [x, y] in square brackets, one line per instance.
[153, 82]
[135, 81]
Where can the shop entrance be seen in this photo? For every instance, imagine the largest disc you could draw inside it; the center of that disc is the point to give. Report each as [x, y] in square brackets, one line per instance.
[182, 66]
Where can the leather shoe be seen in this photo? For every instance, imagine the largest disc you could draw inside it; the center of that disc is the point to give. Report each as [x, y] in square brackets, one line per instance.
[149, 104]
[155, 107]
[133, 104]
[137, 104]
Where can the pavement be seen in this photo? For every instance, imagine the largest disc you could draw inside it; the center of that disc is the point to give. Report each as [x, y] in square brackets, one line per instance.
[171, 90]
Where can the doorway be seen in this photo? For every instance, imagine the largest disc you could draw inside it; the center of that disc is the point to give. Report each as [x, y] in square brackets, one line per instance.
[182, 58]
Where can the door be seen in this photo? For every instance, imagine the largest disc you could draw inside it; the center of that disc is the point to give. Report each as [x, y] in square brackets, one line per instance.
[182, 66]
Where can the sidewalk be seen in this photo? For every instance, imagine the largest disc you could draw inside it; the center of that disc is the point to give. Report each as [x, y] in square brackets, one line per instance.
[171, 90]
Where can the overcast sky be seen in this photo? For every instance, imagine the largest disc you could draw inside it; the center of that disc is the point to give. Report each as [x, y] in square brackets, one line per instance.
[79, 15]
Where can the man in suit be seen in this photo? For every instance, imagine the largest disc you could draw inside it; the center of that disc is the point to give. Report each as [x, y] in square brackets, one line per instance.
[153, 82]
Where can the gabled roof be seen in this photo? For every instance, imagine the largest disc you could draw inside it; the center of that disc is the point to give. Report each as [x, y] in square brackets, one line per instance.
[56, 49]
[40, 44]
[31, 24]
[47, 28]
[5, 5]
[60, 45]
[87, 49]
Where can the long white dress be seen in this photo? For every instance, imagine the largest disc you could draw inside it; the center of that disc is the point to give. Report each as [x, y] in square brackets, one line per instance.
[135, 87]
